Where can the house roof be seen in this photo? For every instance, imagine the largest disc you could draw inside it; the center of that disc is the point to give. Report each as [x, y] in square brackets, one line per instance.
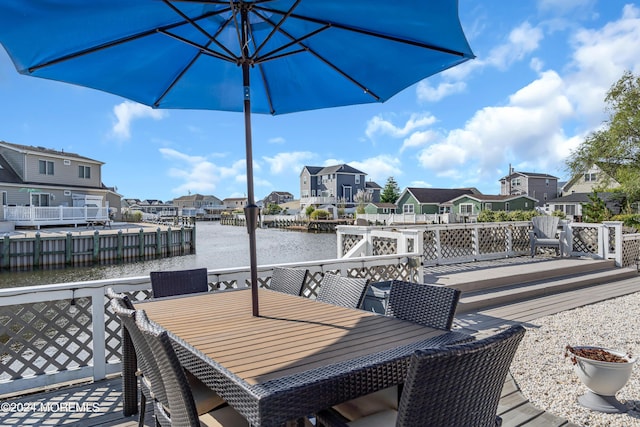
[371, 184]
[7, 174]
[439, 195]
[324, 170]
[494, 197]
[529, 175]
[581, 198]
[43, 150]
[384, 205]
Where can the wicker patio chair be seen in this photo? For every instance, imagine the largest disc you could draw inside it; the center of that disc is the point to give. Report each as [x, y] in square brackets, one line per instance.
[428, 305]
[544, 233]
[288, 280]
[179, 409]
[457, 385]
[151, 385]
[343, 291]
[179, 282]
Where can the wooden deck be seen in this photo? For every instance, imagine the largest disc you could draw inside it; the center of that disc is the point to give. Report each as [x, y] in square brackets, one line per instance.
[514, 408]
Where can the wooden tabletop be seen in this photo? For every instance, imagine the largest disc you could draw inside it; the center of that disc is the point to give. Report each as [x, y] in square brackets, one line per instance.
[291, 335]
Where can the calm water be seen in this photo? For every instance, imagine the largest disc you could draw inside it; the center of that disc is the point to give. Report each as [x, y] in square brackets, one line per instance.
[217, 246]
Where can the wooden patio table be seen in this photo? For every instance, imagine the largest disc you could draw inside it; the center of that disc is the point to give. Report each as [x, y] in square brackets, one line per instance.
[298, 357]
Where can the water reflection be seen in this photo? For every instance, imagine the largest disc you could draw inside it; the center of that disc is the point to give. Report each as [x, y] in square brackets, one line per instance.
[217, 246]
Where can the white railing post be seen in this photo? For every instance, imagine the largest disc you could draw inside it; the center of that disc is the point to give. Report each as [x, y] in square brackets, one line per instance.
[99, 336]
[617, 230]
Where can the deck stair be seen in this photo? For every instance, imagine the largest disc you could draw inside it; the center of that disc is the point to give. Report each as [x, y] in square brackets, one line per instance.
[508, 284]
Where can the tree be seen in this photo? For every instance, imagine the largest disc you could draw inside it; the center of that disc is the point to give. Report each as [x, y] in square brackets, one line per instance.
[390, 192]
[596, 211]
[615, 148]
[362, 198]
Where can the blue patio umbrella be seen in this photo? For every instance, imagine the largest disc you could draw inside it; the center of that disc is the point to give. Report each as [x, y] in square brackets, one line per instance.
[260, 56]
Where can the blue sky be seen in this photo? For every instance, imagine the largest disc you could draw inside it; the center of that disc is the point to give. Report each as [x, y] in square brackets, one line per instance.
[534, 91]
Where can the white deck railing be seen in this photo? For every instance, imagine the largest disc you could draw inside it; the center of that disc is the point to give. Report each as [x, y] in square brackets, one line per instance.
[65, 332]
[452, 243]
[30, 216]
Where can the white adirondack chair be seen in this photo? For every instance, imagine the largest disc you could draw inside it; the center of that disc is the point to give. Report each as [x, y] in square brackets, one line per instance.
[545, 233]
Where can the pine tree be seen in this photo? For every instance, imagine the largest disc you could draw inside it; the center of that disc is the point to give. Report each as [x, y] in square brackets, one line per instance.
[391, 191]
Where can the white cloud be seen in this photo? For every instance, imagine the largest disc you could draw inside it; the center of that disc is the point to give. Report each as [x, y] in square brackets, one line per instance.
[199, 175]
[419, 139]
[380, 126]
[288, 162]
[428, 93]
[128, 111]
[277, 140]
[379, 168]
[530, 125]
[599, 59]
[522, 41]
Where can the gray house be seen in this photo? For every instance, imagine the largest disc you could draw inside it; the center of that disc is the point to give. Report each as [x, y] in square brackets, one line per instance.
[540, 186]
[44, 178]
[277, 198]
[335, 184]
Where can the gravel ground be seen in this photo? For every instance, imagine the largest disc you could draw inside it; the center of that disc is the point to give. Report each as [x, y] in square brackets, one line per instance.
[547, 379]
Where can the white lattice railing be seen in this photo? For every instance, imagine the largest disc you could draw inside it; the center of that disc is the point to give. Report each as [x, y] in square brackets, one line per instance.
[453, 243]
[65, 332]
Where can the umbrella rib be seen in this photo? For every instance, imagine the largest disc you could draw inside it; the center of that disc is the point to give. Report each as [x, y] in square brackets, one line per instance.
[370, 33]
[203, 31]
[157, 102]
[321, 58]
[274, 29]
[201, 48]
[109, 44]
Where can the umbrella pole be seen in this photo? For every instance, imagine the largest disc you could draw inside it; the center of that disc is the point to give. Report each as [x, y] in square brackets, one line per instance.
[251, 210]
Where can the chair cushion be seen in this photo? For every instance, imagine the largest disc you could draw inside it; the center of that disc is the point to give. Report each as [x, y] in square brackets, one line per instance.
[204, 398]
[381, 419]
[223, 417]
[364, 406]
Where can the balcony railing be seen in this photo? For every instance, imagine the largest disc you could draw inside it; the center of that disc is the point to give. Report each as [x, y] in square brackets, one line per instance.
[36, 216]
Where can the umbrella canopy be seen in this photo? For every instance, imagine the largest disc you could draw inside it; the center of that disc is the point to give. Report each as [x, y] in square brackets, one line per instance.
[261, 56]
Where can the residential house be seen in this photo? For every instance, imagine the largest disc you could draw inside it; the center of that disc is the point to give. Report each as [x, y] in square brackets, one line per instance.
[380, 208]
[44, 177]
[277, 198]
[592, 179]
[332, 185]
[233, 203]
[414, 200]
[374, 190]
[540, 186]
[468, 206]
[577, 190]
[198, 205]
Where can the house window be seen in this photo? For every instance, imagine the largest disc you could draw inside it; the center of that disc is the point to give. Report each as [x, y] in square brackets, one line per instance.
[466, 208]
[545, 196]
[319, 180]
[325, 178]
[40, 199]
[408, 208]
[546, 182]
[570, 209]
[515, 182]
[590, 177]
[67, 193]
[507, 207]
[45, 167]
[357, 179]
[487, 206]
[304, 179]
[4, 198]
[84, 172]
